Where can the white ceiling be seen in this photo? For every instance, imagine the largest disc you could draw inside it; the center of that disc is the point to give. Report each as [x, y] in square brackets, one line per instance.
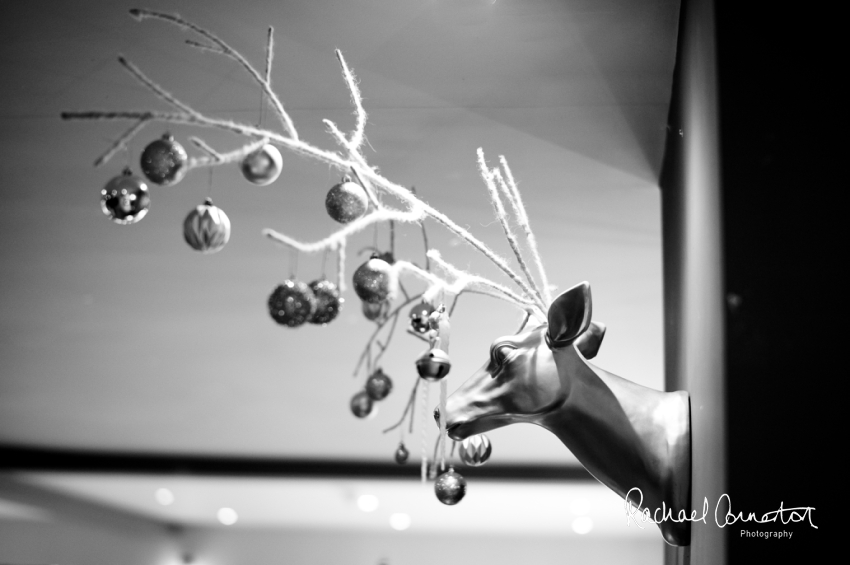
[122, 338]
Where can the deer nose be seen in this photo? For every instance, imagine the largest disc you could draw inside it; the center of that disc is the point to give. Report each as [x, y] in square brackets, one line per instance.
[437, 415]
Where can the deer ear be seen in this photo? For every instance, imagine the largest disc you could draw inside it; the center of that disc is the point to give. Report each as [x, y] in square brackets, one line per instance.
[588, 343]
[569, 316]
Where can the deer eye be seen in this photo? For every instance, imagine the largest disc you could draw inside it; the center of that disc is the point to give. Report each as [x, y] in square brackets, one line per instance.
[500, 353]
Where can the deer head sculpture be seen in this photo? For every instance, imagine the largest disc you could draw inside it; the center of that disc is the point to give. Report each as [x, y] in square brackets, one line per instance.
[625, 435]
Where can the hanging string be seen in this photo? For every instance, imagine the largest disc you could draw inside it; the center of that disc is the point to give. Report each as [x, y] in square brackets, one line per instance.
[375, 243]
[210, 183]
[424, 418]
[340, 266]
[392, 238]
[324, 262]
[443, 394]
[293, 262]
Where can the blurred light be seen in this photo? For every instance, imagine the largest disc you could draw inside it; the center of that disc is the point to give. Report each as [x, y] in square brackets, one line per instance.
[582, 525]
[400, 521]
[227, 516]
[367, 503]
[164, 496]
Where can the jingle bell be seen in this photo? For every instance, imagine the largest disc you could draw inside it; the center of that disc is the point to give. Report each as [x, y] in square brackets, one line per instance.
[433, 365]
[475, 450]
[361, 404]
[401, 454]
[450, 487]
[378, 385]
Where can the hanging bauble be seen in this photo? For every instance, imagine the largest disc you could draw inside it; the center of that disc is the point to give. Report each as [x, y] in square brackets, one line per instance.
[433, 365]
[206, 228]
[450, 487]
[346, 201]
[328, 302]
[375, 311]
[419, 317]
[401, 454]
[292, 303]
[387, 256]
[361, 404]
[475, 450]
[125, 198]
[378, 385]
[262, 166]
[374, 280]
[164, 161]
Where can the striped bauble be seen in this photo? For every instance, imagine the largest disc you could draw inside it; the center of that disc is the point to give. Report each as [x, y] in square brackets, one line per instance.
[206, 228]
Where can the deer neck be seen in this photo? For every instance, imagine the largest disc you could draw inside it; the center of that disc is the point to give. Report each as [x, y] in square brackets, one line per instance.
[625, 435]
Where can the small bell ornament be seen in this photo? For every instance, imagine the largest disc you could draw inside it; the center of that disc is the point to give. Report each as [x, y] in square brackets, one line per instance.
[263, 166]
[475, 450]
[328, 302]
[419, 317]
[433, 365]
[361, 404]
[292, 303]
[125, 199]
[374, 280]
[346, 201]
[375, 311]
[378, 385]
[206, 228]
[401, 454]
[450, 487]
[164, 161]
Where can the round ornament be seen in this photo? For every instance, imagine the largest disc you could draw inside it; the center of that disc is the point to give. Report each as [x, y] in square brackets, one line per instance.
[401, 454]
[292, 303]
[164, 161]
[346, 201]
[206, 228]
[475, 450]
[328, 302]
[125, 199]
[374, 280]
[375, 311]
[419, 317]
[263, 166]
[450, 487]
[361, 404]
[378, 385]
[433, 365]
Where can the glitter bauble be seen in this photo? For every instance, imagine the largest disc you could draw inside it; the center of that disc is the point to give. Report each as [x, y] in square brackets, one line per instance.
[328, 302]
[450, 487]
[374, 281]
[375, 311]
[361, 404]
[401, 454]
[378, 385]
[292, 303]
[206, 228]
[433, 365]
[419, 317]
[125, 198]
[346, 201]
[475, 450]
[263, 166]
[164, 161]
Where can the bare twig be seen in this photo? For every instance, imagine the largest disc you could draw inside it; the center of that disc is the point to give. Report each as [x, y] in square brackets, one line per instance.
[121, 142]
[378, 329]
[407, 409]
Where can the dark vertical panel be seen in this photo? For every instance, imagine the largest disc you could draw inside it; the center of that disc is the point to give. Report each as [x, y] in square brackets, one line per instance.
[777, 125]
[693, 275]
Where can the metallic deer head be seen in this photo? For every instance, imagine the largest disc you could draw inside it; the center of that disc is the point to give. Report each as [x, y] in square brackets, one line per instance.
[625, 434]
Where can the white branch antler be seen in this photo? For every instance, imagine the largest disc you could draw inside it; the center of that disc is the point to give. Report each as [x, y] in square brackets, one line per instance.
[530, 298]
